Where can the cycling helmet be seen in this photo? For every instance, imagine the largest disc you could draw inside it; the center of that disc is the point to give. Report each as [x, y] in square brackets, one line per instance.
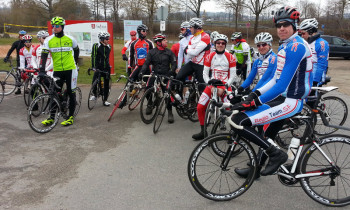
[181, 36]
[22, 32]
[42, 34]
[132, 33]
[185, 24]
[159, 37]
[196, 23]
[236, 35]
[103, 35]
[309, 25]
[58, 21]
[27, 38]
[221, 37]
[289, 14]
[264, 37]
[213, 35]
[140, 28]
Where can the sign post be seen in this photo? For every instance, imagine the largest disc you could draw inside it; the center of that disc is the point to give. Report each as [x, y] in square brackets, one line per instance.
[247, 25]
[162, 15]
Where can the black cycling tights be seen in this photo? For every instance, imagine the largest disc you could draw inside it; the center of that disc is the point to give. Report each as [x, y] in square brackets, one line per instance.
[66, 77]
[187, 70]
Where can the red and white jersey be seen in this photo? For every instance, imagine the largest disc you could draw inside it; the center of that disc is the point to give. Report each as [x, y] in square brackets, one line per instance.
[36, 59]
[25, 57]
[126, 48]
[223, 67]
[196, 46]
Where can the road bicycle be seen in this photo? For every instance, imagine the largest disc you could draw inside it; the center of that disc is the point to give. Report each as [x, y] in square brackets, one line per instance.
[51, 105]
[130, 95]
[321, 165]
[97, 89]
[11, 79]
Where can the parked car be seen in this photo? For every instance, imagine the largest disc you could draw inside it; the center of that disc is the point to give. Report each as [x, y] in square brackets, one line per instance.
[338, 47]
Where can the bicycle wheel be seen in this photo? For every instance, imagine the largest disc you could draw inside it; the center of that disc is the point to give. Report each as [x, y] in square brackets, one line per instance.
[331, 187]
[213, 176]
[116, 106]
[135, 99]
[160, 115]
[42, 108]
[210, 117]
[336, 112]
[34, 92]
[2, 90]
[26, 90]
[220, 126]
[94, 91]
[9, 82]
[78, 97]
[149, 102]
[192, 106]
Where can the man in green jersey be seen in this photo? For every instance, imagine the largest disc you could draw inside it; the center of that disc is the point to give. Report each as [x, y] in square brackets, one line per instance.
[65, 53]
[241, 50]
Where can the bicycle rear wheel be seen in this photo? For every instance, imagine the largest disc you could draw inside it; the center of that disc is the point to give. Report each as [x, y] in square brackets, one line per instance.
[210, 117]
[159, 115]
[45, 106]
[78, 97]
[135, 99]
[192, 106]
[26, 91]
[213, 176]
[9, 82]
[149, 105]
[94, 91]
[34, 92]
[331, 187]
[2, 92]
[336, 112]
[116, 106]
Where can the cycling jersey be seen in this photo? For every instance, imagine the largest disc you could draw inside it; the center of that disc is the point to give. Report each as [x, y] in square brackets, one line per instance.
[163, 61]
[320, 50]
[18, 45]
[25, 57]
[127, 48]
[181, 59]
[196, 47]
[36, 59]
[100, 57]
[242, 49]
[175, 49]
[264, 67]
[61, 49]
[138, 51]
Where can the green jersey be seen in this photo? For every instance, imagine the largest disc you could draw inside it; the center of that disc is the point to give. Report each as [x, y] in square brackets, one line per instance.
[240, 51]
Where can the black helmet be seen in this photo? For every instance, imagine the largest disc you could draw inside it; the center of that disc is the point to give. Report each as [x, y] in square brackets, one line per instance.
[140, 28]
[289, 14]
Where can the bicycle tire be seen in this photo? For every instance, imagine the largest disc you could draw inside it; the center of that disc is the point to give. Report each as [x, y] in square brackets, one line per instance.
[336, 112]
[26, 91]
[2, 92]
[209, 117]
[135, 99]
[116, 106]
[192, 106]
[34, 92]
[92, 103]
[149, 99]
[9, 83]
[159, 115]
[337, 148]
[78, 98]
[207, 175]
[47, 106]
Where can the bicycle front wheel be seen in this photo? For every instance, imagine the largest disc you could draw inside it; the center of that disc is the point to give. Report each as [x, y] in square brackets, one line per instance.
[149, 105]
[332, 186]
[210, 117]
[213, 176]
[160, 115]
[43, 113]
[9, 82]
[116, 106]
[94, 94]
[192, 106]
[2, 90]
[135, 99]
[26, 91]
[78, 97]
[34, 92]
[336, 112]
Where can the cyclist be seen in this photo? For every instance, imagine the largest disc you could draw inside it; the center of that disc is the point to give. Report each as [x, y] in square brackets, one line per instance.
[212, 38]
[164, 63]
[320, 49]
[138, 51]
[196, 50]
[175, 48]
[65, 53]
[18, 45]
[25, 54]
[241, 50]
[100, 60]
[186, 32]
[36, 55]
[222, 64]
[126, 48]
[282, 96]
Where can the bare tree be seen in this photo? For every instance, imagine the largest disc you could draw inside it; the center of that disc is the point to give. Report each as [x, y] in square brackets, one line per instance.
[236, 6]
[195, 6]
[342, 5]
[256, 7]
[45, 7]
[150, 7]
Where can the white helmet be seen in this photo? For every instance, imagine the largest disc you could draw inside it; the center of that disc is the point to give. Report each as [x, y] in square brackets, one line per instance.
[103, 34]
[42, 34]
[221, 37]
[308, 24]
[236, 35]
[196, 23]
[185, 24]
[264, 37]
[213, 35]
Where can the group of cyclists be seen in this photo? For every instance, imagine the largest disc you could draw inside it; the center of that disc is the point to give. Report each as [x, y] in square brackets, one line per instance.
[285, 77]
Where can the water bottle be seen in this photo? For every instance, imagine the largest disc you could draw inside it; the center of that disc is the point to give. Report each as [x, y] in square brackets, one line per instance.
[273, 143]
[186, 96]
[177, 97]
[293, 148]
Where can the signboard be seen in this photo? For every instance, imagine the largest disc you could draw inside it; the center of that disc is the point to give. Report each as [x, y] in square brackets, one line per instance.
[85, 32]
[162, 25]
[130, 25]
[162, 13]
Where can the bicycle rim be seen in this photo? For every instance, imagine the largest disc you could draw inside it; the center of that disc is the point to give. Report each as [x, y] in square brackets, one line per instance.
[135, 100]
[150, 100]
[159, 116]
[213, 181]
[192, 107]
[26, 89]
[78, 97]
[9, 82]
[116, 106]
[34, 92]
[92, 103]
[2, 94]
[331, 188]
[210, 117]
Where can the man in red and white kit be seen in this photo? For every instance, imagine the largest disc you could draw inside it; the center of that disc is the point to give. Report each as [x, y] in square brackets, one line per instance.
[36, 55]
[197, 49]
[222, 64]
[25, 54]
[126, 48]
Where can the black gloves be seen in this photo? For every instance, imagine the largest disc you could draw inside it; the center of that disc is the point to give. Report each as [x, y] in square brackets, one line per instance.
[253, 95]
[207, 47]
[42, 74]
[6, 59]
[215, 82]
[185, 50]
[125, 58]
[238, 71]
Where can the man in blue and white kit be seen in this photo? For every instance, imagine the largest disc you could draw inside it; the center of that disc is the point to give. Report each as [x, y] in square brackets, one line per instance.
[320, 52]
[283, 95]
[187, 35]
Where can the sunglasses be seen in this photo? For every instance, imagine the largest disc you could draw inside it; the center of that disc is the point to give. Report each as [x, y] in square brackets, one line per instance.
[261, 45]
[55, 26]
[28, 42]
[144, 30]
[220, 43]
[106, 38]
[284, 24]
[183, 29]
[302, 33]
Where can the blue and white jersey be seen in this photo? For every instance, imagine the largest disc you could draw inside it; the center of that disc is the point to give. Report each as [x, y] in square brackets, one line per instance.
[293, 75]
[265, 67]
[320, 50]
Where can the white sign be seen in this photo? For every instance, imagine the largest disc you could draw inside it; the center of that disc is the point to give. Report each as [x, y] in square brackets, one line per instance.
[130, 25]
[162, 25]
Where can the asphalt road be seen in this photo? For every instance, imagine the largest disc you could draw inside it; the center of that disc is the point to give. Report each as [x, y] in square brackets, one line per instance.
[95, 164]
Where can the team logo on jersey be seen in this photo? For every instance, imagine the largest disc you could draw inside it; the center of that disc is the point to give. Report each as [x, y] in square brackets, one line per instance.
[93, 26]
[273, 59]
[295, 47]
[322, 46]
[144, 45]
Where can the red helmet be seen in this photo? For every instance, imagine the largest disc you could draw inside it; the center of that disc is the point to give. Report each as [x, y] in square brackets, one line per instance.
[159, 37]
[27, 38]
[286, 14]
[132, 33]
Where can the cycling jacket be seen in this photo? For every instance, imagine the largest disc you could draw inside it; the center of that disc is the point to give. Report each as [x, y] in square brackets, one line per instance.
[196, 47]
[242, 49]
[18, 45]
[36, 59]
[320, 49]
[163, 61]
[138, 51]
[100, 57]
[292, 77]
[25, 57]
[181, 58]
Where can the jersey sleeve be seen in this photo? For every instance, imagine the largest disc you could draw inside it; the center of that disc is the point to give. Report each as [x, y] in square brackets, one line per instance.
[232, 67]
[21, 59]
[322, 50]
[251, 75]
[269, 73]
[192, 52]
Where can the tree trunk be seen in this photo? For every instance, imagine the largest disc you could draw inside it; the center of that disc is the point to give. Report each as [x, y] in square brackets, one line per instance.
[256, 24]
